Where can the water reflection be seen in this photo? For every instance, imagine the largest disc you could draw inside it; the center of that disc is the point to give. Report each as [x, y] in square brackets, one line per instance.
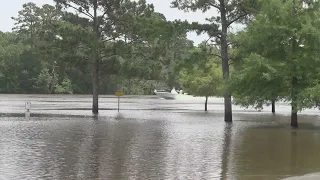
[272, 153]
[157, 146]
[227, 134]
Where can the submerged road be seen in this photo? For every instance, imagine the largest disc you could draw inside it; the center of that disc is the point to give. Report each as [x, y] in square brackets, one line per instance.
[108, 104]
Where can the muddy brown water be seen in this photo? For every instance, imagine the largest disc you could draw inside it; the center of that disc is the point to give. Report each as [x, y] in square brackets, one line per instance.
[152, 138]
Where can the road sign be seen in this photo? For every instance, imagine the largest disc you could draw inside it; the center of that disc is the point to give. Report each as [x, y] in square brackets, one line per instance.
[119, 93]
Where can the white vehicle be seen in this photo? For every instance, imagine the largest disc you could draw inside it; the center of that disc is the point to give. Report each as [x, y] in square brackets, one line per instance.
[167, 95]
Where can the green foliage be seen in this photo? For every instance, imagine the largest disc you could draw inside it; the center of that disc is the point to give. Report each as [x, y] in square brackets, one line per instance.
[226, 13]
[285, 46]
[257, 82]
[203, 78]
[10, 65]
[46, 81]
[50, 43]
[236, 11]
[64, 88]
[27, 22]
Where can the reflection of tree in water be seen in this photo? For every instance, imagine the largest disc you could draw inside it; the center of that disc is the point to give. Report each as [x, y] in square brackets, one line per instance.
[145, 157]
[274, 152]
[125, 148]
[293, 152]
[116, 149]
[93, 151]
[227, 137]
[107, 151]
[86, 149]
[104, 149]
[192, 151]
[63, 141]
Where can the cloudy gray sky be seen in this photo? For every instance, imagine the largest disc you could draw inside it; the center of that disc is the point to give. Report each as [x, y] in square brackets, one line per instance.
[162, 6]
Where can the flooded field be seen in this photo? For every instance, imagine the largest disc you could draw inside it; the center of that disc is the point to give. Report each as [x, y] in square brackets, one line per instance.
[152, 139]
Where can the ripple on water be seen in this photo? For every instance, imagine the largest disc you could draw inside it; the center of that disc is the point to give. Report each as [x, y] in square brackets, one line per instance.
[157, 145]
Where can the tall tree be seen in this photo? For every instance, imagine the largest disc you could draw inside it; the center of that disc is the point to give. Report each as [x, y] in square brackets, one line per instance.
[230, 11]
[150, 51]
[257, 82]
[113, 13]
[38, 28]
[202, 75]
[10, 64]
[27, 22]
[284, 41]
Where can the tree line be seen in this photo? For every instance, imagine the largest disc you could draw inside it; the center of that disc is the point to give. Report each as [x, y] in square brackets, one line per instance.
[90, 46]
[50, 49]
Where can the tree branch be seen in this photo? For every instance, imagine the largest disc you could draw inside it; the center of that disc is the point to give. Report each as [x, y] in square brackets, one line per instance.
[213, 54]
[215, 6]
[85, 13]
[114, 22]
[208, 40]
[102, 16]
[211, 44]
[236, 19]
[108, 39]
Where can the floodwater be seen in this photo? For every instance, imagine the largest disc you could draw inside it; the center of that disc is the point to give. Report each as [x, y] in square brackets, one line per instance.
[152, 138]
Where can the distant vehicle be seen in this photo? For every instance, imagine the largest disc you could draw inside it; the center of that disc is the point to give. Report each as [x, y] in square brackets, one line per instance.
[166, 95]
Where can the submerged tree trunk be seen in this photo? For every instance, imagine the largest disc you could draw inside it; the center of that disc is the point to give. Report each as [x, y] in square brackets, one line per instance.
[95, 62]
[225, 61]
[294, 104]
[95, 84]
[294, 82]
[206, 104]
[273, 106]
[294, 119]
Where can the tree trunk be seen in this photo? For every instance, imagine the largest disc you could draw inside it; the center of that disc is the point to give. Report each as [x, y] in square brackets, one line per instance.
[294, 119]
[294, 82]
[95, 63]
[62, 70]
[225, 61]
[206, 104]
[273, 106]
[52, 83]
[32, 34]
[294, 105]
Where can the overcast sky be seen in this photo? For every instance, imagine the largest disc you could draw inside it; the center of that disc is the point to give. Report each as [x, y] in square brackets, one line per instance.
[162, 6]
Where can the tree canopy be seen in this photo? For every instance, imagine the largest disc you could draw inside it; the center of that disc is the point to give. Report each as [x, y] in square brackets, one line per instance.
[203, 77]
[280, 50]
[52, 47]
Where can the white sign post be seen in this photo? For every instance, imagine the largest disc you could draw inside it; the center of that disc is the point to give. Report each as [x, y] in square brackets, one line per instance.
[27, 107]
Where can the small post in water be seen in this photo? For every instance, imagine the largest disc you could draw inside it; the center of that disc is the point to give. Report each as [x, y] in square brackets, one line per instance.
[27, 107]
[118, 103]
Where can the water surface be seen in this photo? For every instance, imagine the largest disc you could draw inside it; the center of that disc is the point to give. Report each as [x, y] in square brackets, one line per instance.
[152, 139]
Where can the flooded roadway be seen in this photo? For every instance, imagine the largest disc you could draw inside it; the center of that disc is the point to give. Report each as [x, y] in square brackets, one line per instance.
[152, 139]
